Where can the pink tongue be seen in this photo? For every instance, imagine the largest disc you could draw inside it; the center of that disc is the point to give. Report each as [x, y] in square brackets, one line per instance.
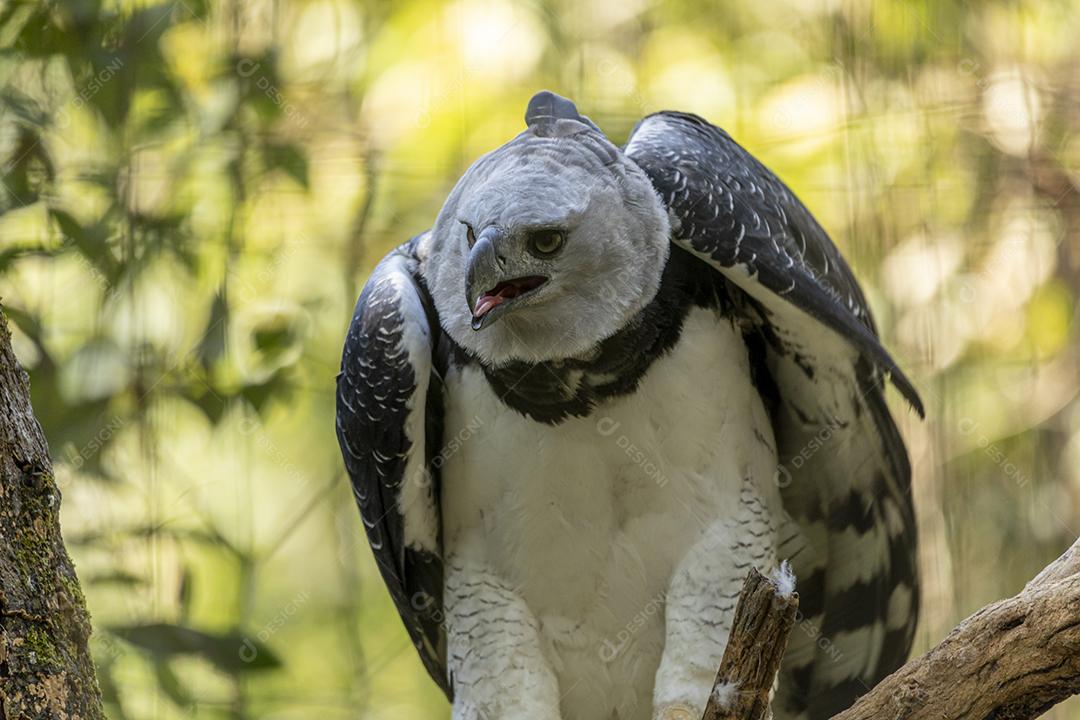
[485, 303]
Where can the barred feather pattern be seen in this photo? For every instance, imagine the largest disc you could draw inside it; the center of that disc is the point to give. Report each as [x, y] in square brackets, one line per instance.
[386, 431]
[844, 471]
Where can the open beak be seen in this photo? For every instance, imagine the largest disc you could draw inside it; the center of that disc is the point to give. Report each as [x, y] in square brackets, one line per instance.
[491, 286]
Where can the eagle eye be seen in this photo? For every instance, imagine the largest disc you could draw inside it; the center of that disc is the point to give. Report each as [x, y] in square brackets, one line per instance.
[470, 236]
[545, 243]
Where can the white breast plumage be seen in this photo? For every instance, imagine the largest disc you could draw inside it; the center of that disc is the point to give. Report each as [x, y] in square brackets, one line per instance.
[587, 520]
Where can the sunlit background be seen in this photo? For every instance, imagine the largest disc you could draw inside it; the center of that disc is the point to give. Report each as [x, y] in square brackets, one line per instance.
[194, 192]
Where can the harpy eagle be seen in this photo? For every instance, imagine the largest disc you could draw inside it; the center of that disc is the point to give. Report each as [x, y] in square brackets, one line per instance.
[606, 383]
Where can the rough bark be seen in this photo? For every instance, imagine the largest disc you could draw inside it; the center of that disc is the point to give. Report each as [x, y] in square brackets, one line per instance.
[45, 665]
[1013, 659]
[759, 634]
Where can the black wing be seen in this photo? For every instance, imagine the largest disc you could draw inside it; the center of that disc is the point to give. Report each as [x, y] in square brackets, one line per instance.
[844, 473]
[388, 426]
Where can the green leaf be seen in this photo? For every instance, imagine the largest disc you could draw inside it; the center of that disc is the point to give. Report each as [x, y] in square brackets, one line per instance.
[40, 35]
[145, 27]
[289, 159]
[171, 684]
[273, 338]
[231, 652]
[27, 171]
[110, 690]
[24, 107]
[29, 324]
[8, 256]
[91, 242]
[212, 346]
[116, 577]
[184, 593]
[277, 386]
[259, 87]
[211, 403]
[102, 83]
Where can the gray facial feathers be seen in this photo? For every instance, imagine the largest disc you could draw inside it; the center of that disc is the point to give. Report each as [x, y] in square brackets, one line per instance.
[560, 175]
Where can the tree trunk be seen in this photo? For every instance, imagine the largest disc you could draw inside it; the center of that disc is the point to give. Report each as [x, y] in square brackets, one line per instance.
[45, 665]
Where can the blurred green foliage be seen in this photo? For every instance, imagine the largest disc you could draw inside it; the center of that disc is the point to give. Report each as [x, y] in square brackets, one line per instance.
[192, 192]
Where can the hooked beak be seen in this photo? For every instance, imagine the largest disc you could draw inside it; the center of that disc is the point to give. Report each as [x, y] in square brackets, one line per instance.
[490, 289]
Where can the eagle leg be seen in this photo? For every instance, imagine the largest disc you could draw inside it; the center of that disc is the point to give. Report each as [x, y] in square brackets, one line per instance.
[494, 657]
[700, 604]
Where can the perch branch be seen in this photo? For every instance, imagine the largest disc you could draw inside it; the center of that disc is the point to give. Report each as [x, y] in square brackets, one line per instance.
[763, 620]
[1011, 660]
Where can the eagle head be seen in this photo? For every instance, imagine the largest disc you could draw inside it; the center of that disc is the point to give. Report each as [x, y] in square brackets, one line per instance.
[547, 245]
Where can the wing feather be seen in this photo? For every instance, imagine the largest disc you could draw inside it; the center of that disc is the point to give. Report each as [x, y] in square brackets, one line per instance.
[728, 207]
[844, 471]
[388, 422]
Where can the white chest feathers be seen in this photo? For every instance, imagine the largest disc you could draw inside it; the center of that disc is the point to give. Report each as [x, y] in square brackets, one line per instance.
[584, 523]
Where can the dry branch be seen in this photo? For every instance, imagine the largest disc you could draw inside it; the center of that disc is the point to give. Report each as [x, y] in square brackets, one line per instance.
[763, 620]
[1013, 659]
[45, 667]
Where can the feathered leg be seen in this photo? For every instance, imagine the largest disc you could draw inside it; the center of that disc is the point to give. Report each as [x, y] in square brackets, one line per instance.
[701, 603]
[496, 664]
